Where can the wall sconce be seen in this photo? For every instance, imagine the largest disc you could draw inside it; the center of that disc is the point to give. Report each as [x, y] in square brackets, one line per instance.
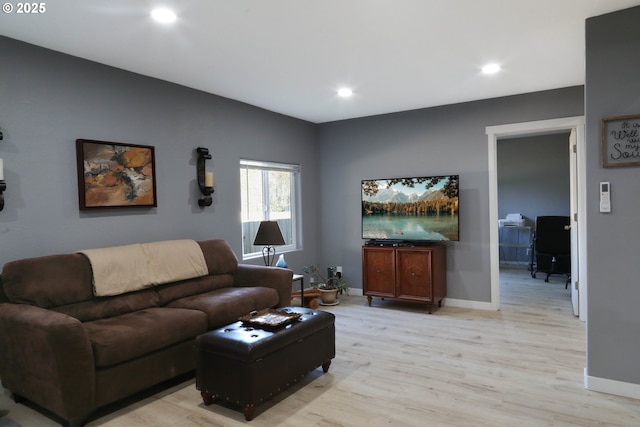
[205, 179]
[3, 185]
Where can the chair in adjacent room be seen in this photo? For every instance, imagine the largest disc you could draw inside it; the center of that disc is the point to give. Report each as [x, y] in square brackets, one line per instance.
[552, 246]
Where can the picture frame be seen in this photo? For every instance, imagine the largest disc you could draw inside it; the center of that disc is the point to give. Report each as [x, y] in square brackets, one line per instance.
[621, 141]
[115, 175]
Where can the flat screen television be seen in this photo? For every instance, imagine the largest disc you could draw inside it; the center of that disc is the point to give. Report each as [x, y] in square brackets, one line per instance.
[413, 209]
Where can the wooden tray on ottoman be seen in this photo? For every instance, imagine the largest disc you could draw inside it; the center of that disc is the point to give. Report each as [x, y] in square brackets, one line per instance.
[245, 365]
[270, 318]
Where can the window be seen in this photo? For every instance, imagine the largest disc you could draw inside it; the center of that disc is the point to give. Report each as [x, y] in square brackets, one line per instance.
[269, 192]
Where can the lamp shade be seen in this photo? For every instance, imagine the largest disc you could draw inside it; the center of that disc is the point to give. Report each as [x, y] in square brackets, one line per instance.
[269, 234]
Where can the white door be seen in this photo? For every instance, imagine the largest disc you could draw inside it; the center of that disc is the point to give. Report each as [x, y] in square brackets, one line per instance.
[573, 173]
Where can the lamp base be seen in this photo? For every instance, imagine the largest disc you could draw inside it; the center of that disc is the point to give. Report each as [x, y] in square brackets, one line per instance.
[268, 255]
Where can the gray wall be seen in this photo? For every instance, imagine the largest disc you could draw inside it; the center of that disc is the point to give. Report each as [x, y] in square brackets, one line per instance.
[533, 176]
[613, 261]
[48, 99]
[434, 141]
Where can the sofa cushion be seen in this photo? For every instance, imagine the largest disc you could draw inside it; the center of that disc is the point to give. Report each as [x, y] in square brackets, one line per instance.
[105, 307]
[226, 305]
[121, 338]
[48, 281]
[187, 288]
[219, 256]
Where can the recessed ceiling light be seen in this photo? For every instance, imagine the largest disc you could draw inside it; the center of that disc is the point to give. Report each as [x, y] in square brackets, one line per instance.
[491, 68]
[163, 15]
[345, 92]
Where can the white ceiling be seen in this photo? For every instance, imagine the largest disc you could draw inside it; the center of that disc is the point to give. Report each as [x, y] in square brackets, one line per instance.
[290, 56]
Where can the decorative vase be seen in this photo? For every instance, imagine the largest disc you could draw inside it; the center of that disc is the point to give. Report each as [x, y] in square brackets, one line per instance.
[329, 296]
[282, 263]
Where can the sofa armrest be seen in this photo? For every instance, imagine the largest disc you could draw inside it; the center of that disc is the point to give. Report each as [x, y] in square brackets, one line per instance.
[281, 279]
[46, 357]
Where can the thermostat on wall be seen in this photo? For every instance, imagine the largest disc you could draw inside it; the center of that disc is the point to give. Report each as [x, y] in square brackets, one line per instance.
[605, 198]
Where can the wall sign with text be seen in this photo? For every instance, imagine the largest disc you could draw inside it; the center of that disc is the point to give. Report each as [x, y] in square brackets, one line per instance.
[621, 141]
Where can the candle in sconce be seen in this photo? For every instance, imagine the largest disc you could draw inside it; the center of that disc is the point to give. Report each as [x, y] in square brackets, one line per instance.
[208, 179]
[1, 170]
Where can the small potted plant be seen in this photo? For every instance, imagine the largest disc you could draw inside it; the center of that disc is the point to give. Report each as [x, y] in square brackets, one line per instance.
[330, 286]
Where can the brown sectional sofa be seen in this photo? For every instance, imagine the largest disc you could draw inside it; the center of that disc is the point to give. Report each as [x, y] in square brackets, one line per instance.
[71, 352]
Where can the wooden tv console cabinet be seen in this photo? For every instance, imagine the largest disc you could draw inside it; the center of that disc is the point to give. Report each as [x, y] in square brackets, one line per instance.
[406, 273]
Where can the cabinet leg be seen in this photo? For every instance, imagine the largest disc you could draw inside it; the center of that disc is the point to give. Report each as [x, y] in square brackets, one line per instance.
[369, 299]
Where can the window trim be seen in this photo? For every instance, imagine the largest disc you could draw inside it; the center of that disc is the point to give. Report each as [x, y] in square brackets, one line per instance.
[294, 169]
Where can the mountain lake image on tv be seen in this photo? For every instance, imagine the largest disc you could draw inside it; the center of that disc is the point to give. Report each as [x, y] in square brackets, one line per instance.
[411, 209]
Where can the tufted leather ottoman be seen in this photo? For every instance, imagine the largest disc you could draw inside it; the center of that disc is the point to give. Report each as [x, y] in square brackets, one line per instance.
[247, 365]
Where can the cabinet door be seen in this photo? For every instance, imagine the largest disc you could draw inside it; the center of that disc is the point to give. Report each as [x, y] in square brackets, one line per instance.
[378, 272]
[413, 277]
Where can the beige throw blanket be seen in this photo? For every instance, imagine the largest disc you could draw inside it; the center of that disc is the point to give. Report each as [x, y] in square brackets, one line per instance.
[122, 269]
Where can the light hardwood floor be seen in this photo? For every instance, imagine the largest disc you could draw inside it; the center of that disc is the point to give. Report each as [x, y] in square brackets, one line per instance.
[396, 365]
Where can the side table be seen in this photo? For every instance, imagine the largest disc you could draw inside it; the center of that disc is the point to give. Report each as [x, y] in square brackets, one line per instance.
[300, 278]
[308, 298]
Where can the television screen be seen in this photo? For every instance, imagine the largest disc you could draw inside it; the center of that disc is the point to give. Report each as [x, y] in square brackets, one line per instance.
[411, 209]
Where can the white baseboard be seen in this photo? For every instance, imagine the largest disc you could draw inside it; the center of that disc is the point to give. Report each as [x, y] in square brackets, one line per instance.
[462, 303]
[619, 388]
[356, 292]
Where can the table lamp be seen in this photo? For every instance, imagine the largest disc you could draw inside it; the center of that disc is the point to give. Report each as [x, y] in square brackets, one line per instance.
[268, 235]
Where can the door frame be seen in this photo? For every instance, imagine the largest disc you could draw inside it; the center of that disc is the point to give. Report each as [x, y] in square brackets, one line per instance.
[494, 133]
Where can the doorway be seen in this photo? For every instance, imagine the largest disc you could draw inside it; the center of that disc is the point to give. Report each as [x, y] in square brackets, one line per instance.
[533, 181]
[575, 125]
